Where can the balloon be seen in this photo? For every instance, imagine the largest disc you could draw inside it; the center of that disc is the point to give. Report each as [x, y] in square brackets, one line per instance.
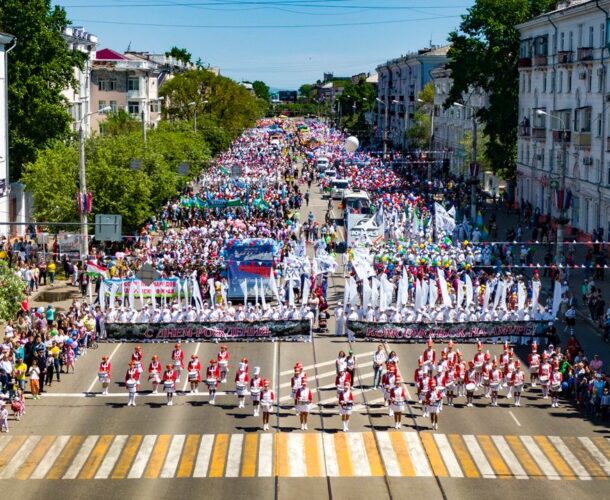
[351, 144]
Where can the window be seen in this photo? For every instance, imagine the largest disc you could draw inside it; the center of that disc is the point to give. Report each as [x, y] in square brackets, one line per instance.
[600, 79]
[559, 82]
[591, 36]
[525, 48]
[561, 118]
[569, 82]
[133, 107]
[529, 82]
[582, 120]
[562, 40]
[589, 79]
[133, 83]
[602, 35]
[113, 106]
[599, 124]
[541, 45]
[107, 85]
[539, 119]
[155, 106]
[101, 105]
[571, 42]
[608, 176]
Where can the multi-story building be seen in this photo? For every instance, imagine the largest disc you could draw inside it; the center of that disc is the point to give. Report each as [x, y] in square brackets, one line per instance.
[6, 42]
[563, 87]
[400, 81]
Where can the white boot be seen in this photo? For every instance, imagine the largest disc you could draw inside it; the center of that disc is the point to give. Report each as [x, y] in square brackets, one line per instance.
[391, 412]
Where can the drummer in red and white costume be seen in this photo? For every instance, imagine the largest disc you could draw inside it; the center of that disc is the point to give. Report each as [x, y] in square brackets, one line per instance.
[242, 381]
[297, 379]
[169, 383]
[154, 373]
[470, 382]
[387, 381]
[341, 380]
[509, 368]
[434, 398]
[460, 375]
[487, 367]
[138, 358]
[256, 386]
[223, 363]
[479, 361]
[505, 356]
[212, 376]
[194, 373]
[419, 374]
[495, 381]
[267, 402]
[398, 401]
[424, 387]
[346, 403]
[178, 360]
[533, 360]
[132, 379]
[451, 354]
[443, 364]
[132, 373]
[555, 385]
[302, 403]
[105, 374]
[449, 382]
[544, 375]
[244, 362]
[518, 381]
[429, 357]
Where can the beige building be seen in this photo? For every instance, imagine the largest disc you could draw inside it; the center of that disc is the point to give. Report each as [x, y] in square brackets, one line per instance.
[6, 44]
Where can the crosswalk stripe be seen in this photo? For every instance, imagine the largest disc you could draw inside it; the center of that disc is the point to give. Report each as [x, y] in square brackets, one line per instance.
[129, 452]
[34, 458]
[601, 443]
[219, 455]
[49, 459]
[344, 461]
[599, 456]
[585, 457]
[111, 457]
[4, 441]
[479, 457]
[10, 450]
[139, 463]
[526, 460]
[234, 455]
[19, 457]
[265, 456]
[173, 456]
[391, 459]
[470, 469]
[509, 458]
[80, 458]
[538, 455]
[325, 363]
[372, 454]
[96, 456]
[496, 457]
[418, 456]
[65, 458]
[570, 458]
[203, 456]
[281, 455]
[189, 453]
[554, 458]
[358, 454]
[433, 455]
[296, 455]
[248, 468]
[330, 455]
[312, 454]
[451, 463]
[157, 457]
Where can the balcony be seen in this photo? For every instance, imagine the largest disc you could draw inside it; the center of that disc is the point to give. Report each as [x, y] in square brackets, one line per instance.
[564, 56]
[585, 54]
[539, 132]
[608, 144]
[539, 61]
[582, 139]
[524, 131]
[525, 62]
[134, 94]
[557, 135]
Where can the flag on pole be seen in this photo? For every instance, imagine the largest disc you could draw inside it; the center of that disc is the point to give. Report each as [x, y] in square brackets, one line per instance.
[95, 270]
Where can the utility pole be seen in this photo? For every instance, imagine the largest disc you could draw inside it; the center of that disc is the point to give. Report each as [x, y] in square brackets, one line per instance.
[84, 228]
[475, 170]
[143, 126]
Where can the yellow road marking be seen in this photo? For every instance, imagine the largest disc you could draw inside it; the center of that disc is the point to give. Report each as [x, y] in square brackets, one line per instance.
[312, 454]
[603, 445]
[96, 457]
[343, 459]
[402, 454]
[248, 467]
[524, 457]
[219, 455]
[372, 454]
[555, 458]
[157, 457]
[434, 455]
[494, 458]
[463, 456]
[35, 457]
[189, 454]
[65, 458]
[281, 455]
[585, 457]
[129, 452]
[10, 449]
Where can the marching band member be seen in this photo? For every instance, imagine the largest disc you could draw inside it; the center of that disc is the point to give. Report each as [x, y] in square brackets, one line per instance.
[350, 365]
[341, 380]
[544, 375]
[429, 356]
[471, 382]
[341, 362]
[242, 379]
[138, 358]
[418, 375]
[244, 361]
[460, 375]
[223, 363]
[169, 383]
[505, 356]
[346, 403]
[132, 373]
[302, 402]
[509, 369]
[449, 379]
[495, 380]
[424, 387]
[485, 374]
[388, 382]
[267, 399]
[256, 384]
[297, 378]
[178, 360]
[451, 354]
[154, 373]
[194, 373]
[105, 374]
[397, 401]
[132, 379]
[393, 359]
[555, 383]
[478, 361]
[533, 360]
[443, 364]
[518, 380]
[433, 401]
[212, 376]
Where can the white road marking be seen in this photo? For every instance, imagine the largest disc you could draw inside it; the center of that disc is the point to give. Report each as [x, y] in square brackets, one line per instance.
[173, 456]
[96, 379]
[19, 457]
[326, 386]
[479, 457]
[4, 439]
[186, 382]
[330, 455]
[139, 464]
[275, 352]
[388, 455]
[296, 455]
[449, 457]
[234, 455]
[514, 418]
[509, 457]
[80, 458]
[540, 458]
[570, 458]
[111, 457]
[363, 406]
[358, 454]
[204, 455]
[325, 363]
[598, 455]
[419, 459]
[49, 458]
[125, 394]
[265, 456]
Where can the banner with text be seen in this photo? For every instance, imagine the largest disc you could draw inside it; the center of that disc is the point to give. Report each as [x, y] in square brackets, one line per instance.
[468, 331]
[208, 330]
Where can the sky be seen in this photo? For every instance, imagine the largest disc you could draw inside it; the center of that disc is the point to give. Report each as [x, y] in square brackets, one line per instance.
[284, 43]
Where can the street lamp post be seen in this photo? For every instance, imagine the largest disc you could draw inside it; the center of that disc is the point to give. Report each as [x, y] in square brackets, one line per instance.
[385, 123]
[474, 166]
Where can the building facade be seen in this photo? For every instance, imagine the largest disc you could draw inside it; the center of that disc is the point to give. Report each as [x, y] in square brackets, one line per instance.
[399, 82]
[6, 43]
[564, 87]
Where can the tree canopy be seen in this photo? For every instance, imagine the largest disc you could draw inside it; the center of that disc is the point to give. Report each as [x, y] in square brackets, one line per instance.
[418, 133]
[40, 67]
[179, 54]
[484, 54]
[357, 101]
[12, 292]
[261, 90]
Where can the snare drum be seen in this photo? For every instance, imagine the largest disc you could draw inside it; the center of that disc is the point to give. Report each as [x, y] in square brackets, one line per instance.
[518, 387]
[131, 385]
[211, 382]
[494, 386]
[303, 406]
[478, 367]
[168, 385]
[470, 387]
[240, 388]
[346, 409]
[103, 376]
[556, 387]
[255, 394]
[544, 379]
[177, 364]
[154, 376]
[138, 366]
[398, 406]
[534, 369]
[193, 376]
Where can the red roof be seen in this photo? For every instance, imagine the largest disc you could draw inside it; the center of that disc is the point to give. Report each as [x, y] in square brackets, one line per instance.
[109, 55]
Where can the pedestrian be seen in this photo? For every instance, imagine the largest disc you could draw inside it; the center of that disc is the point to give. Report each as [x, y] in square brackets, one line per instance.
[379, 359]
[34, 374]
[306, 197]
[3, 417]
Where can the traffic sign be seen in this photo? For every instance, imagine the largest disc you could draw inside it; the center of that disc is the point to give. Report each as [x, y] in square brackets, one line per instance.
[108, 227]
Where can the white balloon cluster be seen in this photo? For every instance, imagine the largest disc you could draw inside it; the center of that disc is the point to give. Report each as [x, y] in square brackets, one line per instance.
[351, 144]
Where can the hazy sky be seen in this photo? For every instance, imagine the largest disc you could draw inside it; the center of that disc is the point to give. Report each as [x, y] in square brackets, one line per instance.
[282, 42]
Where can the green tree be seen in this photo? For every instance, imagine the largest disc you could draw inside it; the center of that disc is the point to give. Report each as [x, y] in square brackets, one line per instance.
[357, 102]
[12, 292]
[484, 54]
[482, 141]
[419, 131]
[306, 91]
[40, 67]
[120, 123]
[261, 90]
[182, 55]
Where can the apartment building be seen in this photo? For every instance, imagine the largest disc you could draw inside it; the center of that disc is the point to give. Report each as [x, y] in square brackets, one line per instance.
[6, 43]
[563, 86]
